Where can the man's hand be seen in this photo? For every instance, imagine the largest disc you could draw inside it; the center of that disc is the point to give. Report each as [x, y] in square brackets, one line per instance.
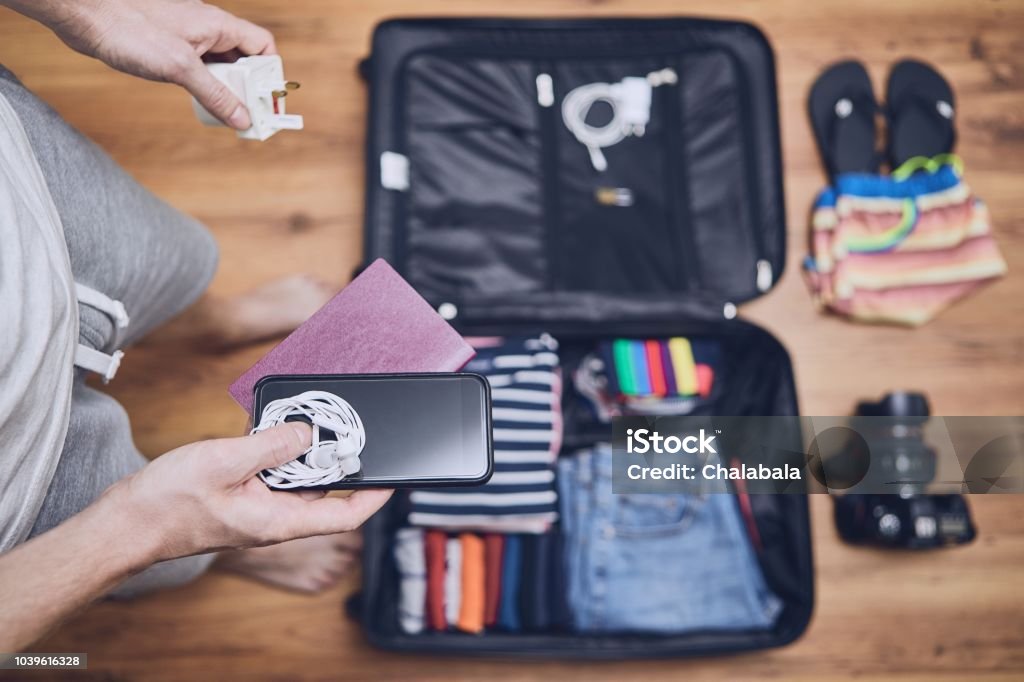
[205, 496]
[198, 498]
[162, 40]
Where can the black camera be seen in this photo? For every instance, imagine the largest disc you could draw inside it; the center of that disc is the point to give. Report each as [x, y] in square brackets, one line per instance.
[900, 456]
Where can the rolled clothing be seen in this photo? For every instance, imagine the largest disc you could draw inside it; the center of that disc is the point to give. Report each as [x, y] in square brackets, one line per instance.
[511, 562]
[410, 559]
[494, 546]
[472, 606]
[122, 241]
[452, 581]
[435, 551]
[542, 595]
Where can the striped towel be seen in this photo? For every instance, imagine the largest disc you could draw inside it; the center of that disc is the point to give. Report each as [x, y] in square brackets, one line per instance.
[526, 394]
[900, 249]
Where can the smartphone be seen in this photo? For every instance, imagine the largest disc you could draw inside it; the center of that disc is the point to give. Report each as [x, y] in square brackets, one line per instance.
[422, 430]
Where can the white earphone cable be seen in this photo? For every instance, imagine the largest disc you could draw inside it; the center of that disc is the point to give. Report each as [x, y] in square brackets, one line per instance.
[325, 461]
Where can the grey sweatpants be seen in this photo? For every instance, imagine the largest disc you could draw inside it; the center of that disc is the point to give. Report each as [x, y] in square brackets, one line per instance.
[126, 243]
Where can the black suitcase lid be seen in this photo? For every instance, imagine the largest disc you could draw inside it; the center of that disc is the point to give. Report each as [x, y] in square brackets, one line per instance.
[482, 197]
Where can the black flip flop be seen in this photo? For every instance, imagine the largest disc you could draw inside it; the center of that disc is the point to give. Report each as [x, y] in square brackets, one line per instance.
[919, 106]
[842, 107]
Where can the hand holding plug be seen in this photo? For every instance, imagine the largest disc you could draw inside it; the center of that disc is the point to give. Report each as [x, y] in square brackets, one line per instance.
[161, 40]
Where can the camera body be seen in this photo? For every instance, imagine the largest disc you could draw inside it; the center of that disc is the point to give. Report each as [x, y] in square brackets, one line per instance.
[911, 519]
[914, 522]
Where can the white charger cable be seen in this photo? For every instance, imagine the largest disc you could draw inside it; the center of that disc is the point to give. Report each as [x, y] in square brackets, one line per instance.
[630, 100]
[325, 461]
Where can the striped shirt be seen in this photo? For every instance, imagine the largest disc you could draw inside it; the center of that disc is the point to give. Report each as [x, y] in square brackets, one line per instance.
[521, 497]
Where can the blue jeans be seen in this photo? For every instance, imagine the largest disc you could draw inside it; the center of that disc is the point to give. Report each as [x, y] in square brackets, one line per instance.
[656, 562]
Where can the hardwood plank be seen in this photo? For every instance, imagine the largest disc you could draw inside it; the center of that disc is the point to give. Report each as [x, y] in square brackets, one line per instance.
[295, 204]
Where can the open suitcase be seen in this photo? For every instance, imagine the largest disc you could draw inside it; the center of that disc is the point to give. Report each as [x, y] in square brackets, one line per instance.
[485, 201]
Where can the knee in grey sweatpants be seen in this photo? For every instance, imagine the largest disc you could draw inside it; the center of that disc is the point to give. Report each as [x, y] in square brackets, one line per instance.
[99, 452]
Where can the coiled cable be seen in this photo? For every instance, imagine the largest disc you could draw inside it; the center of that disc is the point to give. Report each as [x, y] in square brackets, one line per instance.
[630, 102]
[325, 461]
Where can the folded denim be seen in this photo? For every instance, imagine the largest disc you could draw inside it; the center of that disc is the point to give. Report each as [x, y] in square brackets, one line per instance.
[655, 562]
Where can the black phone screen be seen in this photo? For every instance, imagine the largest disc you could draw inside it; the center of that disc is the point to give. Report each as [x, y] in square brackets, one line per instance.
[420, 428]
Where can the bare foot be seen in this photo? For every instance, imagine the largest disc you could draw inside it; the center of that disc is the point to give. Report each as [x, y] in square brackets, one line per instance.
[304, 565]
[270, 310]
[278, 307]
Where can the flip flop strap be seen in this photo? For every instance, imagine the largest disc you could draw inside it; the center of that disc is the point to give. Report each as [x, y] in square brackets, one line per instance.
[864, 106]
[929, 106]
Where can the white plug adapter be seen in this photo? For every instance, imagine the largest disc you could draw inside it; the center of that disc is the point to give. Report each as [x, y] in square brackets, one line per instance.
[259, 83]
[633, 99]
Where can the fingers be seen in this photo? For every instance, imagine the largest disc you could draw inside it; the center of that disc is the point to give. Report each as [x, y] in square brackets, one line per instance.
[226, 34]
[244, 36]
[215, 97]
[339, 514]
[270, 448]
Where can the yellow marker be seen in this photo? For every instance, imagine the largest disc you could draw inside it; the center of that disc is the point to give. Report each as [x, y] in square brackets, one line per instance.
[683, 366]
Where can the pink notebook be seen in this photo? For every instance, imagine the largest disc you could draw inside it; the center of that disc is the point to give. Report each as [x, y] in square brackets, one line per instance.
[377, 324]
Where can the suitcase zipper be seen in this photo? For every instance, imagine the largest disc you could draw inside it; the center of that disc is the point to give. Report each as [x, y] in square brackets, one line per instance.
[576, 315]
[546, 115]
[677, 186]
[763, 276]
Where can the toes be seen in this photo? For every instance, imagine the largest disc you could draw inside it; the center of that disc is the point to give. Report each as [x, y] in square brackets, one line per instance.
[327, 579]
[346, 566]
[307, 584]
[352, 542]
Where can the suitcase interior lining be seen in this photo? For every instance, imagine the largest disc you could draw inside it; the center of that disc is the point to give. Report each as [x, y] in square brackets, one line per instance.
[502, 196]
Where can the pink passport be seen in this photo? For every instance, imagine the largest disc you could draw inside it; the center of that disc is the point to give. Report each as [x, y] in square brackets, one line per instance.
[377, 324]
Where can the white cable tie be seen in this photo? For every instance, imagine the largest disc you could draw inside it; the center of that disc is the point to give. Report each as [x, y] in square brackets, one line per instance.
[97, 361]
[115, 310]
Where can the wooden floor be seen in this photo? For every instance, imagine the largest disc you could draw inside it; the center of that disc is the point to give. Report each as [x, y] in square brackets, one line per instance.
[295, 203]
